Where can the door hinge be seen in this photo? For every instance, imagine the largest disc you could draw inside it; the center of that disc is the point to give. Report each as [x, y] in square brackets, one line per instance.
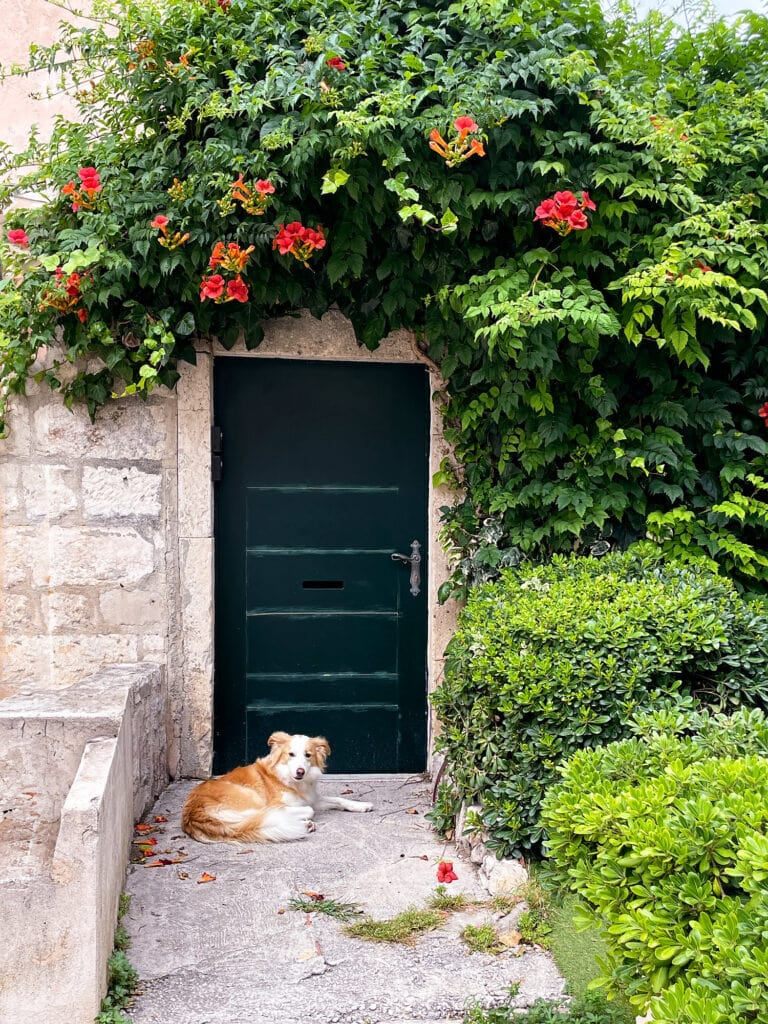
[217, 458]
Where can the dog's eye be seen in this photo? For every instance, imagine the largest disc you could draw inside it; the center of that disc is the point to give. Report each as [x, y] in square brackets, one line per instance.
[291, 754]
[308, 753]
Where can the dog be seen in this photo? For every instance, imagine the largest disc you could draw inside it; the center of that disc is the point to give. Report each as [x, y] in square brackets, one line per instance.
[272, 800]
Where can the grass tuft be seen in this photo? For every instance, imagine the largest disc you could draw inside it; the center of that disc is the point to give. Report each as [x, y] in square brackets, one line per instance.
[333, 908]
[502, 903]
[481, 939]
[441, 899]
[401, 928]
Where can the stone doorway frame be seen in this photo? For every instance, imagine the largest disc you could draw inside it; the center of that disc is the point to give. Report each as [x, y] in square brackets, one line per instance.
[300, 337]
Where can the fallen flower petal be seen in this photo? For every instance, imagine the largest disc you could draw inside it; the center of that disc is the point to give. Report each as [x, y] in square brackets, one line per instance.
[205, 877]
[313, 895]
[144, 828]
[160, 818]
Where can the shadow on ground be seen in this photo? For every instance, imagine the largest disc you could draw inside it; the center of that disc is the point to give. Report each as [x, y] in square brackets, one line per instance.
[220, 952]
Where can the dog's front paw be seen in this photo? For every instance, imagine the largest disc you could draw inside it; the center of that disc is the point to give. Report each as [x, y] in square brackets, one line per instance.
[366, 807]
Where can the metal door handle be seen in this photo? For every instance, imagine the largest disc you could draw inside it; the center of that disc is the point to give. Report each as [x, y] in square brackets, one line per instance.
[414, 560]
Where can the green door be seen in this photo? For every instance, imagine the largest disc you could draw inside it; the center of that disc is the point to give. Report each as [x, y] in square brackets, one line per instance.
[324, 477]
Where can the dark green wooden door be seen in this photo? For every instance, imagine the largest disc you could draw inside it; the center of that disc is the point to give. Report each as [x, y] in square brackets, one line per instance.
[324, 476]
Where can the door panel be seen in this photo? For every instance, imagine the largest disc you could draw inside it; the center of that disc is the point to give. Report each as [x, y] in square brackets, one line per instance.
[324, 476]
[322, 642]
[320, 580]
[332, 517]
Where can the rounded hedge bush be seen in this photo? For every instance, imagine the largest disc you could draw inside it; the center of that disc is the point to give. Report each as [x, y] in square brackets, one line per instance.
[664, 839]
[550, 659]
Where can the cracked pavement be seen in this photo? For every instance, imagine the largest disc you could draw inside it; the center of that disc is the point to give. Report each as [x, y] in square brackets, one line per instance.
[222, 953]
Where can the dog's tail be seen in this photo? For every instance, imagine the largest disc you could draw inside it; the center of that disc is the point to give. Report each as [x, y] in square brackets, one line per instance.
[218, 824]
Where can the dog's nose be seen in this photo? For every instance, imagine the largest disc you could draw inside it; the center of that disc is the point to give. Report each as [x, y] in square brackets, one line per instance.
[300, 772]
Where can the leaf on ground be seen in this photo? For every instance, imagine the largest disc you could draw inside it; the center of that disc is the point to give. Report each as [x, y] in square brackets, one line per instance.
[144, 828]
[312, 895]
[150, 841]
[281, 910]
[346, 792]
[411, 810]
[244, 851]
[182, 875]
[160, 818]
[512, 938]
[205, 877]
[162, 862]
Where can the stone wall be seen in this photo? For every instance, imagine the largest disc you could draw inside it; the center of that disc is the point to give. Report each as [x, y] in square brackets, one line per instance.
[87, 521]
[26, 22]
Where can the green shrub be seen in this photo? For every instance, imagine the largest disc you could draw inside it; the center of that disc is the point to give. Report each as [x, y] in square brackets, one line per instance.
[550, 659]
[662, 836]
[593, 1009]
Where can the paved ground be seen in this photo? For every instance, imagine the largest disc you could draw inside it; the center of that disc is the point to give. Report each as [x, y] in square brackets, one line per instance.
[220, 952]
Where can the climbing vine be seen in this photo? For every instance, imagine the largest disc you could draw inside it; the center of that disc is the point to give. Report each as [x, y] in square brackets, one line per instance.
[571, 222]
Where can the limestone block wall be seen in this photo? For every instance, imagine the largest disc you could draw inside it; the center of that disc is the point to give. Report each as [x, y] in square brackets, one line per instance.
[87, 519]
[26, 22]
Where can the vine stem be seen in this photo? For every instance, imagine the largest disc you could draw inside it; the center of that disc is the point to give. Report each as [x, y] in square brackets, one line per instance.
[535, 280]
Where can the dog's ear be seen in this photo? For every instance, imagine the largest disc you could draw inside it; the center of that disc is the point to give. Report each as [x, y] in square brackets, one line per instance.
[321, 748]
[277, 737]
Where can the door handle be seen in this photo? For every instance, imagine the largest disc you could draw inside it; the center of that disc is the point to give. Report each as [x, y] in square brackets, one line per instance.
[414, 560]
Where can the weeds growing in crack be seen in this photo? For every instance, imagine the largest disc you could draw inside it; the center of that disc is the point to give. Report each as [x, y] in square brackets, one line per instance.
[325, 905]
[401, 928]
[441, 899]
[122, 978]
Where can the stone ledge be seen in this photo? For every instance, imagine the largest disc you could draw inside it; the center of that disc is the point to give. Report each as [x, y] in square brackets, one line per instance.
[80, 765]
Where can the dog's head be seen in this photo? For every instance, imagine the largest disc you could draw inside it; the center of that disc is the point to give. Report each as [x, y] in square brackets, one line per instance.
[297, 758]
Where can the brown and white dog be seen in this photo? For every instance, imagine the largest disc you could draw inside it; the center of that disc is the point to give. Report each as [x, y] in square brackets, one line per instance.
[272, 800]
